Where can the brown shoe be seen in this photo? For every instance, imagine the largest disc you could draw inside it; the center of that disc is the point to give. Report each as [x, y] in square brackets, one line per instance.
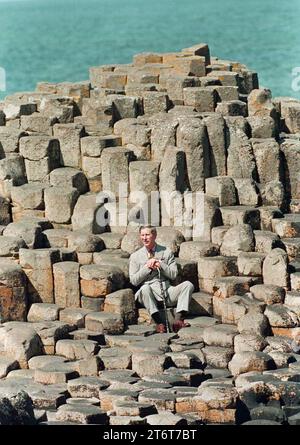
[179, 324]
[160, 328]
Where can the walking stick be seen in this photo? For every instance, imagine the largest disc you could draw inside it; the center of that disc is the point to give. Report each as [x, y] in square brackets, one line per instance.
[164, 297]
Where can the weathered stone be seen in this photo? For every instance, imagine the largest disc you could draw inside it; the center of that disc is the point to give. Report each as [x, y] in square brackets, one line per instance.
[37, 123]
[247, 192]
[220, 335]
[44, 360]
[52, 331]
[73, 316]
[59, 203]
[292, 246]
[290, 151]
[267, 157]
[262, 127]
[233, 308]
[228, 286]
[37, 264]
[215, 126]
[238, 215]
[29, 231]
[238, 238]
[41, 155]
[231, 107]
[56, 238]
[111, 240]
[131, 242]
[250, 263]
[192, 138]
[69, 139]
[249, 342]
[265, 241]
[171, 238]
[110, 396]
[76, 349]
[221, 187]
[250, 361]
[240, 161]
[20, 343]
[275, 268]
[55, 373]
[163, 135]
[254, 323]
[121, 302]
[202, 99]
[9, 139]
[217, 234]
[106, 322]
[7, 365]
[13, 299]
[216, 395]
[43, 312]
[163, 399]
[85, 214]
[295, 281]
[270, 294]
[5, 217]
[69, 178]
[28, 196]
[12, 173]
[92, 303]
[287, 227]
[260, 103]
[211, 268]
[100, 280]
[86, 386]
[115, 358]
[192, 250]
[115, 159]
[83, 414]
[281, 316]
[155, 102]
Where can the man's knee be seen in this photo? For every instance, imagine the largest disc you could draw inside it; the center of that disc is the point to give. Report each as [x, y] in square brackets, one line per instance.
[188, 286]
[145, 289]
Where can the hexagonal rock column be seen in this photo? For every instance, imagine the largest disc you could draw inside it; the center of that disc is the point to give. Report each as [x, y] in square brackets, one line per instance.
[66, 284]
[99, 280]
[114, 163]
[41, 155]
[85, 214]
[192, 138]
[13, 301]
[69, 138]
[122, 302]
[275, 269]
[37, 264]
[59, 203]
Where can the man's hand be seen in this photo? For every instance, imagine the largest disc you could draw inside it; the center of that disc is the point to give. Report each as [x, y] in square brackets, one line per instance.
[153, 264]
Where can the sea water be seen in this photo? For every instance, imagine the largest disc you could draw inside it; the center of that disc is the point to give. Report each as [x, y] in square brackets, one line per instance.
[58, 40]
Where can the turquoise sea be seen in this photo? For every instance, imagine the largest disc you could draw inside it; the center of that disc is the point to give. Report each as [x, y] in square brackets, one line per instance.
[58, 40]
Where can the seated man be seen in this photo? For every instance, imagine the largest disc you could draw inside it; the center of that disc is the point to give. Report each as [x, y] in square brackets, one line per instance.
[143, 270]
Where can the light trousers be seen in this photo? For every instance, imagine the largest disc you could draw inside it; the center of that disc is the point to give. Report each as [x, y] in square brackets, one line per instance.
[180, 296]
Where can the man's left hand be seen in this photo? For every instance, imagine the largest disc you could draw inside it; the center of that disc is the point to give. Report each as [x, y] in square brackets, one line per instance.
[157, 265]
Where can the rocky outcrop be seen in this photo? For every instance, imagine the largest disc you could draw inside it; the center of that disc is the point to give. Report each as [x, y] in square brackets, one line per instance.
[191, 144]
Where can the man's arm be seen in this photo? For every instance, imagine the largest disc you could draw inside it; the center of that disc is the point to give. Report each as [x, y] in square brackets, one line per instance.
[169, 267]
[138, 274]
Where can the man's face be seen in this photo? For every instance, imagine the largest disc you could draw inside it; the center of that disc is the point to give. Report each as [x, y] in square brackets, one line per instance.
[148, 238]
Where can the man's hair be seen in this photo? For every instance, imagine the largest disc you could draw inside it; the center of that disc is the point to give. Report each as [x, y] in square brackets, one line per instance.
[152, 228]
